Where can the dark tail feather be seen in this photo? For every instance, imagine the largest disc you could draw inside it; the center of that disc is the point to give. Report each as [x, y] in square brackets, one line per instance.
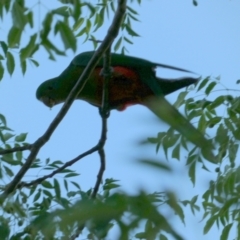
[171, 85]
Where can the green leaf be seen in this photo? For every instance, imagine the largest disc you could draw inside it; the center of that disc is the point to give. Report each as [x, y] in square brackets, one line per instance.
[8, 135]
[195, 3]
[110, 186]
[37, 196]
[128, 40]
[19, 19]
[81, 32]
[88, 26]
[225, 232]
[23, 66]
[192, 173]
[203, 83]
[180, 99]
[8, 171]
[67, 36]
[163, 237]
[10, 63]
[172, 202]
[217, 102]
[62, 11]
[212, 122]
[71, 175]
[176, 152]
[4, 47]
[30, 48]
[30, 18]
[47, 193]
[47, 184]
[78, 24]
[118, 44]
[3, 120]
[141, 235]
[14, 36]
[1, 70]
[156, 164]
[57, 189]
[210, 87]
[34, 62]
[47, 23]
[66, 184]
[209, 224]
[21, 137]
[131, 32]
[19, 156]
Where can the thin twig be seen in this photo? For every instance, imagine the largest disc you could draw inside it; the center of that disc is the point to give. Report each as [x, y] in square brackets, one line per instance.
[111, 35]
[104, 112]
[60, 169]
[16, 149]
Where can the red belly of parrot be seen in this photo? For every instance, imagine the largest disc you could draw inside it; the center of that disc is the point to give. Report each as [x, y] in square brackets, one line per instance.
[125, 88]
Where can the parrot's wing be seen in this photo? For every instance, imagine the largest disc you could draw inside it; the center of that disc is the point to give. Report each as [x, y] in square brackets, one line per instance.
[122, 60]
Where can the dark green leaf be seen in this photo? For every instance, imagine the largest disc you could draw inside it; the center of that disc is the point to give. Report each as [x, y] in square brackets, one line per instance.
[34, 62]
[37, 196]
[67, 36]
[14, 36]
[128, 40]
[57, 189]
[225, 232]
[47, 184]
[203, 83]
[210, 87]
[118, 44]
[132, 10]
[78, 24]
[62, 11]
[1, 70]
[19, 19]
[192, 172]
[176, 152]
[30, 48]
[23, 66]
[155, 164]
[10, 63]
[4, 47]
[71, 175]
[30, 18]
[163, 237]
[8, 171]
[209, 224]
[131, 32]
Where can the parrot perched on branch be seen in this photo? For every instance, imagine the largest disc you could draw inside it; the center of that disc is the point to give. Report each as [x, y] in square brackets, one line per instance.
[133, 81]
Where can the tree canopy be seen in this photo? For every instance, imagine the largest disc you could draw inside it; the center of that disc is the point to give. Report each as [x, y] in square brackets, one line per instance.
[49, 208]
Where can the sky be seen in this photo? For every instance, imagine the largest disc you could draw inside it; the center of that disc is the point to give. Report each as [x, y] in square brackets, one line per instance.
[204, 39]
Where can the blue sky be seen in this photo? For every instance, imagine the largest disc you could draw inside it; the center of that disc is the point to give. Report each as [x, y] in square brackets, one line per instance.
[204, 39]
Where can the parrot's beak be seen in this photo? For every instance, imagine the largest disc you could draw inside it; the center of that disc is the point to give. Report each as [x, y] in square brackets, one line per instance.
[47, 101]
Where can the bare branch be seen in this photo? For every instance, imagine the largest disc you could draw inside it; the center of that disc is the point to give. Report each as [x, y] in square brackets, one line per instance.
[67, 164]
[16, 149]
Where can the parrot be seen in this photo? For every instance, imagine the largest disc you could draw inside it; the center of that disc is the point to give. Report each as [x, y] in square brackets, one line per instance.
[133, 81]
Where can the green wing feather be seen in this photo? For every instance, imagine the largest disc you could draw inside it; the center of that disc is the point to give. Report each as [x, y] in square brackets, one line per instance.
[122, 60]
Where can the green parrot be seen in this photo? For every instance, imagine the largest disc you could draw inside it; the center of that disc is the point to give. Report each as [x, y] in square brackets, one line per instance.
[133, 81]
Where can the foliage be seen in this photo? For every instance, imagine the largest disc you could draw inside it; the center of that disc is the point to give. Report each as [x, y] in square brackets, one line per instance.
[47, 208]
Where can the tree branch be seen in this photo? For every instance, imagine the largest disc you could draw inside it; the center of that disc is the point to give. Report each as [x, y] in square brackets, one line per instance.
[16, 149]
[111, 35]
